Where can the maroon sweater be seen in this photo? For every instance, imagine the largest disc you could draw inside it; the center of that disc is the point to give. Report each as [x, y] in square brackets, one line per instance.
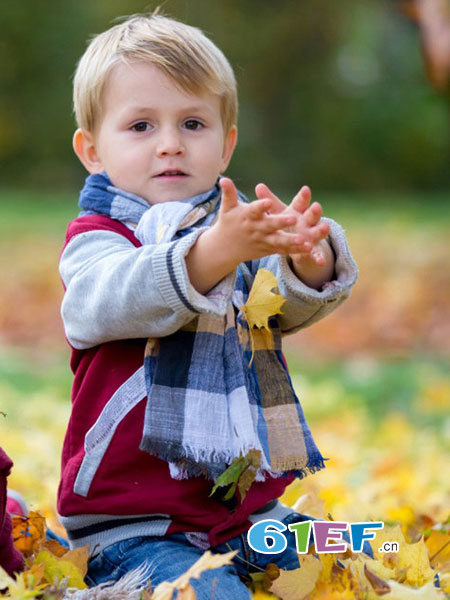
[10, 559]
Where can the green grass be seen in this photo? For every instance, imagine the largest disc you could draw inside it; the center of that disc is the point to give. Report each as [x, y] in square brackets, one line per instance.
[378, 386]
[26, 212]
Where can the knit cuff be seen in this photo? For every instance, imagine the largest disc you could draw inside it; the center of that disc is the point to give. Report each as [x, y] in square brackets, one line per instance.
[346, 273]
[172, 279]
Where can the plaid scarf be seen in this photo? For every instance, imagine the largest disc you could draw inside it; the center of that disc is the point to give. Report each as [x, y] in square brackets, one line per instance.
[206, 405]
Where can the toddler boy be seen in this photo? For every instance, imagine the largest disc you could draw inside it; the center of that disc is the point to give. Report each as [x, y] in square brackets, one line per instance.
[170, 385]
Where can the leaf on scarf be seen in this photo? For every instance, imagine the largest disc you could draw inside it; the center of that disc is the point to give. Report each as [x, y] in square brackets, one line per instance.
[298, 583]
[241, 473]
[165, 590]
[262, 303]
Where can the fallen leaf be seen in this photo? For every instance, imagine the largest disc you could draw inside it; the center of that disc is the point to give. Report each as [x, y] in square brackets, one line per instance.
[165, 590]
[57, 569]
[310, 504]
[379, 585]
[405, 592]
[187, 593]
[298, 583]
[415, 560]
[438, 545]
[28, 532]
[79, 558]
[19, 588]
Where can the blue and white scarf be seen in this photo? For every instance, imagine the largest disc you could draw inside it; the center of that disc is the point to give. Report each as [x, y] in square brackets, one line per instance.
[206, 405]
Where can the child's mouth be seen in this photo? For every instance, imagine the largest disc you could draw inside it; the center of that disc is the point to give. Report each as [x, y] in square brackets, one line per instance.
[171, 174]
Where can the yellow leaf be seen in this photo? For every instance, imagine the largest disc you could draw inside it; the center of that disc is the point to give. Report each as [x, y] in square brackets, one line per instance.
[57, 569]
[310, 504]
[415, 560]
[444, 580]
[19, 588]
[165, 590]
[388, 534]
[438, 544]
[187, 593]
[79, 557]
[298, 583]
[262, 595]
[411, 562]
[5, 579]
[262, 302]
[405, 592]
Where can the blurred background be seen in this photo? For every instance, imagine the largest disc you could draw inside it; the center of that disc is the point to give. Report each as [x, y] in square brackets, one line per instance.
[351, 98]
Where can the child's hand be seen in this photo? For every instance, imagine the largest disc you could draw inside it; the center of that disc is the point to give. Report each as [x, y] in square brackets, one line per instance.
[314, 263]
[307, 223]
[264, 227]
[249, 231]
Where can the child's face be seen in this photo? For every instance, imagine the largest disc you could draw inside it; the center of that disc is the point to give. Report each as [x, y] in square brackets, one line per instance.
[154, 139]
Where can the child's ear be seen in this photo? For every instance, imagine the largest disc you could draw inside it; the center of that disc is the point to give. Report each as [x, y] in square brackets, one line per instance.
[229, 146]
[84, 147]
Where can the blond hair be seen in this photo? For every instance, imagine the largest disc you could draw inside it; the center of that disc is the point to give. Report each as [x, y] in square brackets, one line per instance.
[181, 51]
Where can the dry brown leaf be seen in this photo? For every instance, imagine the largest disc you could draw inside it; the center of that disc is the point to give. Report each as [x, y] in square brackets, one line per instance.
[55, 547]
[28, 532]
[379, 585]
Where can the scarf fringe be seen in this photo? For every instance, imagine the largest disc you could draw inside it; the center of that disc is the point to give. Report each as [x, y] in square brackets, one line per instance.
[186, 461]
[189, 461]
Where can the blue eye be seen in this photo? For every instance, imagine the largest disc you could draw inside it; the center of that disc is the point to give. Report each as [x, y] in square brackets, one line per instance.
[141, 126]
[193, 124]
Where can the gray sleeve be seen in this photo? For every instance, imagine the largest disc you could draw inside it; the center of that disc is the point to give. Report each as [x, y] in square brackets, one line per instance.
[306, 305]
[117, 291]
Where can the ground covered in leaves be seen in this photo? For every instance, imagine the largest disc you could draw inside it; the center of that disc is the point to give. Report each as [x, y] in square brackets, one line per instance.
[373, 379]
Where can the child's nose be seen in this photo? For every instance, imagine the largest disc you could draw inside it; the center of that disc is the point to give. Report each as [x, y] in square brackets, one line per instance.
[169, 143]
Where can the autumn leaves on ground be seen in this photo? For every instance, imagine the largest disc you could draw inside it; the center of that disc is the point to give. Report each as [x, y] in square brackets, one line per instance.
[372, 378]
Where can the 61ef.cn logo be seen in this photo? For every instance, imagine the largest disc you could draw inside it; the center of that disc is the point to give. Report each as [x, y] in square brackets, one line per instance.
[267, 536]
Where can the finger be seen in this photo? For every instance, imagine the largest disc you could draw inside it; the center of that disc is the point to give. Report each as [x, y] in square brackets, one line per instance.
[272, 223]
[230, 197]
[313, 214]
[301, 200]
[263, 191]
[289, 243]
[257, 209]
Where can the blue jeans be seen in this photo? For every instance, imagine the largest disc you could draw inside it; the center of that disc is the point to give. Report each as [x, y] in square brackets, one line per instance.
[170, 556]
